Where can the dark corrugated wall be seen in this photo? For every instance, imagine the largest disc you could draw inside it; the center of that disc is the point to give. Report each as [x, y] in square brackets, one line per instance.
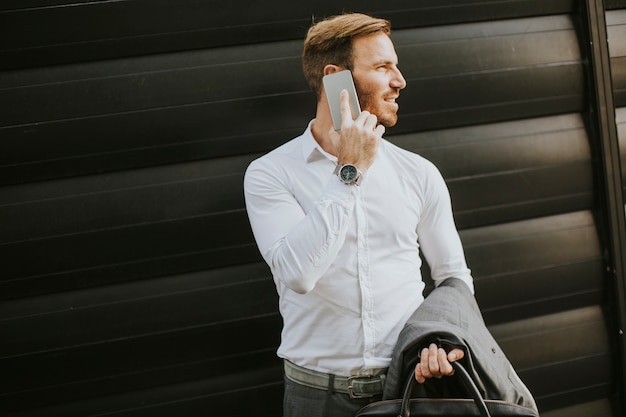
[130, 284]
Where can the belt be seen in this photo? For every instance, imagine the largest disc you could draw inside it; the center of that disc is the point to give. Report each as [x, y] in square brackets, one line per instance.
[362, 386]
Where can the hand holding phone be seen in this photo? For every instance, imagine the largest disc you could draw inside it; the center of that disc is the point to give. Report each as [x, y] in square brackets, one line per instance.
[356, 143]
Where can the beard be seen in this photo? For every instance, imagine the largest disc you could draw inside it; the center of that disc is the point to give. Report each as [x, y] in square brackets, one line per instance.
[374, 103]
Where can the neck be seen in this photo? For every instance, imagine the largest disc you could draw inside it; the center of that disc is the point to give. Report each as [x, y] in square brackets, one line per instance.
[322, 124]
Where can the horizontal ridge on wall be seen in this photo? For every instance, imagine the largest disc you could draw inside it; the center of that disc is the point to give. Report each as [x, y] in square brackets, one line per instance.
[538, 272]
[484, 72]
[536, 70]
[48, 32]
[536, 266]
[139, 335]
[497, 172]
[97, 230]
[572, 347]
[131, 282]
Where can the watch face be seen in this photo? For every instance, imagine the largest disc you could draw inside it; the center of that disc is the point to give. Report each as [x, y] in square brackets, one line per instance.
[348, 173]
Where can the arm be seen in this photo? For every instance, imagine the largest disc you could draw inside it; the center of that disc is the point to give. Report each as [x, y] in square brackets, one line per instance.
[443, 250]
[438, 237]
[297, 246]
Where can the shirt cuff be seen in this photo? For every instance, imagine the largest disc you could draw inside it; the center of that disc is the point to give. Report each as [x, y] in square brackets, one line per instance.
[337, 191]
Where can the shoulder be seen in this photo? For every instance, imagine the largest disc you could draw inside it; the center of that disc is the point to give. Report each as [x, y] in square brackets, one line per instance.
[274, 169]
[405, 159]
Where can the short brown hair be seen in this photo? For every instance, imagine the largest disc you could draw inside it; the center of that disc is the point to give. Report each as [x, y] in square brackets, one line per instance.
[329, 41]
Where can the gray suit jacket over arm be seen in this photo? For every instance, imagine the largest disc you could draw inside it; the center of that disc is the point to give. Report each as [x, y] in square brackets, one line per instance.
[450, 316]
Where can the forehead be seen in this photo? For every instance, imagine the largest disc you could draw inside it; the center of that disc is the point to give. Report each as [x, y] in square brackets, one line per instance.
[372, 49]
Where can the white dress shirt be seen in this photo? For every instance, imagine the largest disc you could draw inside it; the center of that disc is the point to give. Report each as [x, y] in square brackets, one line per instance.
[345, 258]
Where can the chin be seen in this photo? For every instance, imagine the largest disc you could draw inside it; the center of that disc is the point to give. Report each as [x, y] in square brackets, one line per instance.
[389, 121]
[386, 117]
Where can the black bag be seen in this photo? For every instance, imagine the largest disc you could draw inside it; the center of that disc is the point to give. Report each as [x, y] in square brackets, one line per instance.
[445, 407]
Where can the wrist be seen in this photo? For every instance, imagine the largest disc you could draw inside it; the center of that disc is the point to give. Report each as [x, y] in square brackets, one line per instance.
[349, 174]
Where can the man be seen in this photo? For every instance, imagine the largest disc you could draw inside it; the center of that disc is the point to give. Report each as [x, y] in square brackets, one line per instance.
[344, 254]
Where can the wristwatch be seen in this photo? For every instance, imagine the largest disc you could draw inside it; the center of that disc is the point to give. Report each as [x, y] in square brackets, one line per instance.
[349, 174]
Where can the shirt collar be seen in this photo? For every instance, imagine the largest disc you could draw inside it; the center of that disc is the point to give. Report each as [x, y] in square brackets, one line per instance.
[311, 150]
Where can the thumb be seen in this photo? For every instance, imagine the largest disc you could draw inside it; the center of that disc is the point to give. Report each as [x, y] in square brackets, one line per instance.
[455, 355]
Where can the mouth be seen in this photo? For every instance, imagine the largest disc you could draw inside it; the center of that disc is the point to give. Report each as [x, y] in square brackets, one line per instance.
[391, 100]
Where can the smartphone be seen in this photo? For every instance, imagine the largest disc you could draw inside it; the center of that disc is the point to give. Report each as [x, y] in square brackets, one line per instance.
[333, 85]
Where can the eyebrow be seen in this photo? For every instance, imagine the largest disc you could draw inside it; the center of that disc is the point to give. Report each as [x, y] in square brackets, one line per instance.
[384, 62]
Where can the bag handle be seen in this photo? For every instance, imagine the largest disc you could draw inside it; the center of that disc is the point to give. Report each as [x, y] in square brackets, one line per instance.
[459, 370]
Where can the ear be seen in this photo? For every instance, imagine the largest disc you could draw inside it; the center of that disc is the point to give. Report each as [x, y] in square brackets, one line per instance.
[331, 69]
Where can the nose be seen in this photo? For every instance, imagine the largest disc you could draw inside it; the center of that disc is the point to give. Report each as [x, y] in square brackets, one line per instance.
[398, 80]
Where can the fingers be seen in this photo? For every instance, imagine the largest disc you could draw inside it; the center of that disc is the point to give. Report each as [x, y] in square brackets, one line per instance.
[444, 366]
[380, 131]
[418, 374]
[344, 108]
[420, 368]
[358, 139]
[428, 366]
[436, 363]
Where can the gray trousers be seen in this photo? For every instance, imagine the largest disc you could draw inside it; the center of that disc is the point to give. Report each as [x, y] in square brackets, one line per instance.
[302, 401]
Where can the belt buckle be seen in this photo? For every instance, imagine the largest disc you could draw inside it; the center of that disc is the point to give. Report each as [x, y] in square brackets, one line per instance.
[351, 389]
